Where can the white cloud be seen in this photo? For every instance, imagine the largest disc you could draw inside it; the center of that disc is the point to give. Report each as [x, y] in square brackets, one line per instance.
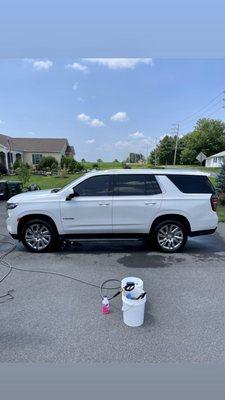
[94, 122]
[119, 63]
[137, 135]
[90, 141]
[122, 143]
[2, 122]
[83, 117]
[120, 116]
[77, 67]
[97, 123]
[40, 65]
[75, 86]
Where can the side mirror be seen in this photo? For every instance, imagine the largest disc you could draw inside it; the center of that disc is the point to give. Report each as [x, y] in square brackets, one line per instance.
[71, 194]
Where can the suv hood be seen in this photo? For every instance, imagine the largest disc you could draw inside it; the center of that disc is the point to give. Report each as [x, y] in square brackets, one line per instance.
[34, 195]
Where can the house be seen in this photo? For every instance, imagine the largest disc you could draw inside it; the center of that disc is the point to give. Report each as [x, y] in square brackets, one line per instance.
[216, 160]
[31, 150]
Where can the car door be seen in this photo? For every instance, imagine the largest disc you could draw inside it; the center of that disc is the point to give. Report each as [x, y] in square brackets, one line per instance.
[137, 200]
[90, 211]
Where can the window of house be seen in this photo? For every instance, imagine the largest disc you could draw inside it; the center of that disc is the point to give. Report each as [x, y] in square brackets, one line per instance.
[36, 158]
[214, 159]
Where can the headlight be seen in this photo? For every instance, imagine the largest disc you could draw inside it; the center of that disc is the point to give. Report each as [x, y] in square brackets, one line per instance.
[11, 206]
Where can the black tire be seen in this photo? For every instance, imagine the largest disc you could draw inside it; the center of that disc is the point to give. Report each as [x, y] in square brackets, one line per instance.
[177, 240]
[51, 235]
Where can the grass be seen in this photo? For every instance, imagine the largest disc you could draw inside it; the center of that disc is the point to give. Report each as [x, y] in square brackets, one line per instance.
[47, 182]
[221, 213]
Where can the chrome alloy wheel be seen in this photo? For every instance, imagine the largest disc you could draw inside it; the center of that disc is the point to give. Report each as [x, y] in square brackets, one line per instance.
[38, 236]
[170, 237]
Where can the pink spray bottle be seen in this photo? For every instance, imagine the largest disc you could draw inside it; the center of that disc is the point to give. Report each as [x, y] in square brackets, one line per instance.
[105, 305]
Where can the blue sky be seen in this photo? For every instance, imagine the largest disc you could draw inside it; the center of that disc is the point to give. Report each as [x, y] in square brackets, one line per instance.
[107, 107]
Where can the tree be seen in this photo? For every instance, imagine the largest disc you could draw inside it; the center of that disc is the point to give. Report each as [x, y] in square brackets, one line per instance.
[23, 173]
[135, 158]
[83, 160]
[208, 137]
[116, 161]
[48, 162]
[220, 181]
[164, 152]
[99, 160]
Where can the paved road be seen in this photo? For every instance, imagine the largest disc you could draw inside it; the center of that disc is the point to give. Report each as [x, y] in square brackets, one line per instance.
[57, 320]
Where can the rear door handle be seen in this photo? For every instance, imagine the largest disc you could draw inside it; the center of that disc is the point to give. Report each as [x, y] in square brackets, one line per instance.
[103, 204]
[150, 203]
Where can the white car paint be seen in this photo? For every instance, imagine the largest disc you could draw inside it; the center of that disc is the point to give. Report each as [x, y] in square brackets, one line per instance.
[115, 214]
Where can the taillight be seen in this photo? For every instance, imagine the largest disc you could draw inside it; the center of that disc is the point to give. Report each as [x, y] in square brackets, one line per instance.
[214, 202]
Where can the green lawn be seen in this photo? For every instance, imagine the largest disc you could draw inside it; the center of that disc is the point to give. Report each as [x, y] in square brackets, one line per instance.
[47, 182]
[221, 213]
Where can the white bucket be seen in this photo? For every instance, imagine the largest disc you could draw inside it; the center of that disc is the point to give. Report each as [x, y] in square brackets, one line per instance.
[134, 310]
[137, 282]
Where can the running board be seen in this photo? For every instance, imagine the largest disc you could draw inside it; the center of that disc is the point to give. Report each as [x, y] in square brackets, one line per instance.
[102, 237]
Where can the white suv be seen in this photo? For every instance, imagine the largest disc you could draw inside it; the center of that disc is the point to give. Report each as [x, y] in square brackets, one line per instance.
[165, 206]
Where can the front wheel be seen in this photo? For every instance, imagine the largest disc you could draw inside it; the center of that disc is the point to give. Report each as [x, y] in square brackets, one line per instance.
[169, 236]
[39, 236]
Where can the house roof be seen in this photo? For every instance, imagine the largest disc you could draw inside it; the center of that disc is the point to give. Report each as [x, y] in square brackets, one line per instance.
[221, 154]
[38, 145]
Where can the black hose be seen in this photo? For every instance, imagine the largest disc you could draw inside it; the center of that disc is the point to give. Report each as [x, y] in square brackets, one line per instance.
[5, 263]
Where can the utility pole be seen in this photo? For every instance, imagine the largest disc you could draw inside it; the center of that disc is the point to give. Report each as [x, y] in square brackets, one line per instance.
[155, 158]
[176, 131]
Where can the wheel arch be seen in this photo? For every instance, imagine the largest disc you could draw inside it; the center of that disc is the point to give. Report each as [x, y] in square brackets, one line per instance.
[23, 220]
[176, 217]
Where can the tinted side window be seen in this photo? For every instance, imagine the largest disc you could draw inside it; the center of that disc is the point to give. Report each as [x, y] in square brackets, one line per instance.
[136, 185]
[130, 185]
[152, 186]
[192, 183]
[95, 186]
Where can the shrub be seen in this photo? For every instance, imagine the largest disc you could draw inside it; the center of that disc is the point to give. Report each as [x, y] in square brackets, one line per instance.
[23, 173]
[17, 164]
[95, 166]
[47, 163]
[3, 170]
[222, 200]
[71, 165]
[220, 180]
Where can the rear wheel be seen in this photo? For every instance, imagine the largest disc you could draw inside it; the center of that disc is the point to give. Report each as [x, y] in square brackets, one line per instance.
[169, 236]
[39, 236]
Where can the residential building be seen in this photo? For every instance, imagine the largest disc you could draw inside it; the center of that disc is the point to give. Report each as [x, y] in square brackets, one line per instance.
[32, 150]
[216, 160]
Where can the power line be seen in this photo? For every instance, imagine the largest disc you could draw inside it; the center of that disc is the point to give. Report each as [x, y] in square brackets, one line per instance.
[202, 108]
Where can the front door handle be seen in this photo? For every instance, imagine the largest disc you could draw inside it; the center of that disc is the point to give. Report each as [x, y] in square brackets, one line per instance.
[103, 204]
[148, 203]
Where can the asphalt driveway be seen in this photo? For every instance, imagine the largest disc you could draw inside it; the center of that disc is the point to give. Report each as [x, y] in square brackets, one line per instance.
[53, 319]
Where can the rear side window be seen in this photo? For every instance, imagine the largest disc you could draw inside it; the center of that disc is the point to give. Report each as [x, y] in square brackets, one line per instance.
[192, 183]
[151, 185]
[136, 185]
[95, 186]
